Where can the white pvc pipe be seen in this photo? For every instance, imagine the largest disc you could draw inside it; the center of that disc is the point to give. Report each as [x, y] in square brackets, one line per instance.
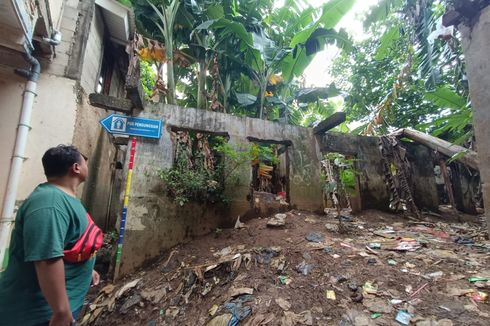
[7, 218]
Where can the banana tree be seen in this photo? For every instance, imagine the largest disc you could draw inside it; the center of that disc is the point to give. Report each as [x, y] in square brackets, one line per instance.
[313, 38]
[167, 12]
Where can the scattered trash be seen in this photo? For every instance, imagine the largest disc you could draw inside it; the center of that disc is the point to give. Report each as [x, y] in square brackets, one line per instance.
[330, 295]
[279, 264]
[285, 305]
[395, 301]
[335, 256]
[434, 275]
[478, 296]
[369, 288]
[222, 320]
[212, 311]
[375, 245]
[392, 262]
[372, 261]
[464, 241]
[238, 224]
[235, 292]
[126, 287]
[409, 265]
[478, 279]
[304, 268]
[375, 315]
[344, 218]
[403, 317]
[332, 227]
[237, 308]
[277, 220]
[172, 312]
[130, 302]
[328, 250]
[265, 255]
[223, 252]
[285, 280]
[315, 237]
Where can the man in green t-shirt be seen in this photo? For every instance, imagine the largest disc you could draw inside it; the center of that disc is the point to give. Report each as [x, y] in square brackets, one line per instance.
[38, 287]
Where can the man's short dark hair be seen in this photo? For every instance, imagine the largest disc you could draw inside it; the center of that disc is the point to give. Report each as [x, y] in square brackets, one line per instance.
[58, 160]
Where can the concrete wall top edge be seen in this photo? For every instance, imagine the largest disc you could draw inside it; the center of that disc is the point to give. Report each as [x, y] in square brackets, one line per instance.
[218, 122]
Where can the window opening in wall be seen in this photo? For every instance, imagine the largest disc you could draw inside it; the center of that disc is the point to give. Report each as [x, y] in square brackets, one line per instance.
[198, 171]
[270, 176]
[104, 82]
[340, 182]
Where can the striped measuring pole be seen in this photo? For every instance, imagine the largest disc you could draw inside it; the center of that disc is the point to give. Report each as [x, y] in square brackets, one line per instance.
[124, 213]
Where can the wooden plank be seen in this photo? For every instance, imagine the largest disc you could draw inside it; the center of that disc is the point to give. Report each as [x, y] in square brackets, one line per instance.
[470, 158]
[111, 103]
[134, 90]
[329, 123]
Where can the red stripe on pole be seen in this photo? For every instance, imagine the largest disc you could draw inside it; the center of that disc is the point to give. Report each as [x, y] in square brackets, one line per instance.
[133, 149]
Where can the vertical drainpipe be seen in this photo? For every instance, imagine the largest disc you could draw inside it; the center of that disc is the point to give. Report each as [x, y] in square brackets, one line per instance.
[7, 218]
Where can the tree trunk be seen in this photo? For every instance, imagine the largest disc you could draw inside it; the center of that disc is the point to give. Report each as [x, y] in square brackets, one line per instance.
[262, 99]
[470, 158]
[201, 85]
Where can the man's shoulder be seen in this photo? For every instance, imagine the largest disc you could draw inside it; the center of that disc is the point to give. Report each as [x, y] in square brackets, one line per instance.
[47, 197]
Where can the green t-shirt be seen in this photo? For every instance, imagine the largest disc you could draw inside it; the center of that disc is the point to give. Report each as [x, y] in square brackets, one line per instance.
[47, 222]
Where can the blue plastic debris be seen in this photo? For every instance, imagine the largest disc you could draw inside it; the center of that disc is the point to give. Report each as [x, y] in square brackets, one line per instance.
[315, 237]
[403, 317]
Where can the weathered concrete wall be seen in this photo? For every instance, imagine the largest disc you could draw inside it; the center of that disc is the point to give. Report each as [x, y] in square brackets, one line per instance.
[476, 46]
[53, 121]
[372, 186]
[95, 143]
[92, 59]
[61, 113]
[155, 223]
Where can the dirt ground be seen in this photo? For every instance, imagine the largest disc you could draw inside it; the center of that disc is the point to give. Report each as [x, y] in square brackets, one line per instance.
[260, 275]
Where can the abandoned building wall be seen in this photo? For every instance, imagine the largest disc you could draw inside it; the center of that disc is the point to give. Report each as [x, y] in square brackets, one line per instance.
[92, 60]
[54, 109]
[94, 142]
[476, 46]
[369, 163]
[89, 136]
[52, 122]
[156, 223]
[422, 160]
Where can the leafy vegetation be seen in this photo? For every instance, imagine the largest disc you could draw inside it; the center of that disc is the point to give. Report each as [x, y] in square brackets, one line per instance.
[347, 174]
[408, 72]
[242, 57]
[247, 57]
[191, 179]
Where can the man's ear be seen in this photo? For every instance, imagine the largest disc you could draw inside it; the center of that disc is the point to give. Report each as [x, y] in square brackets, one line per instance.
[75, 168]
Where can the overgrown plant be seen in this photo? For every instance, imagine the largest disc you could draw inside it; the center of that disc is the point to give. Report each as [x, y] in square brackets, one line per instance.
[347, 174]
[191, 180]
[340, 179]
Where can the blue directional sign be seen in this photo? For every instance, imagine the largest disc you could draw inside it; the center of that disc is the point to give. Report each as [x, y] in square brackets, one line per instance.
[132, 126]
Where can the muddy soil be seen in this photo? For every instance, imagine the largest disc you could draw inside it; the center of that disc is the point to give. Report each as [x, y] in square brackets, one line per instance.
[276, 276]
